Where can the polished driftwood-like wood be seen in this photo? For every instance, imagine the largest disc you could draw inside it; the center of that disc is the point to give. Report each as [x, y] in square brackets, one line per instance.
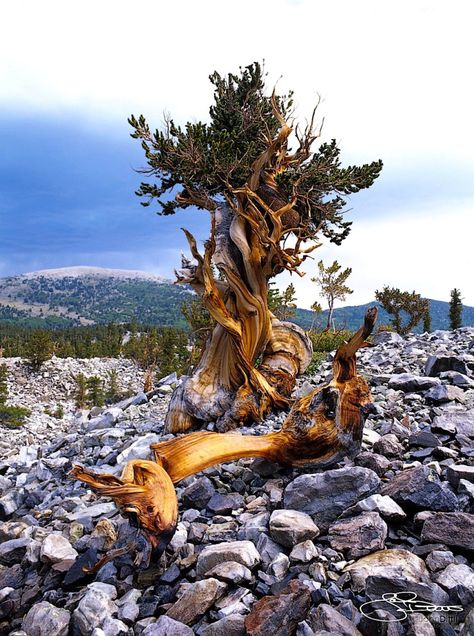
[321, 428]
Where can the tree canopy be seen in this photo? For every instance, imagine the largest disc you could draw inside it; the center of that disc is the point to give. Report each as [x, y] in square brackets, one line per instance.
[203, 163]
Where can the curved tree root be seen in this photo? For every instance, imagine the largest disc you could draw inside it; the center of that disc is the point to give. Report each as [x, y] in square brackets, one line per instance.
[321, 428]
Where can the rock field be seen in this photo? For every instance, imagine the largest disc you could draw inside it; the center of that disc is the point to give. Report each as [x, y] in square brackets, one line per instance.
[260, 550]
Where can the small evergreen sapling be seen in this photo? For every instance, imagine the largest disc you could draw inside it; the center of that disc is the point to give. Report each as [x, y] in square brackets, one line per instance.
[455, 309]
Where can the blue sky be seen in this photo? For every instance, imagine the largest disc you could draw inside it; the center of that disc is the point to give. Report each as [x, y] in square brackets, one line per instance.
[393, 81]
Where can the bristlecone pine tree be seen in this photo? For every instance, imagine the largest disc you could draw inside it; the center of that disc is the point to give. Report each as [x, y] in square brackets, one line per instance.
[268, 205]
[407, 308]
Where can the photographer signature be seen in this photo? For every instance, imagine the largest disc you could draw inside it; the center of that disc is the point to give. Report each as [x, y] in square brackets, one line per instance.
[405, 603]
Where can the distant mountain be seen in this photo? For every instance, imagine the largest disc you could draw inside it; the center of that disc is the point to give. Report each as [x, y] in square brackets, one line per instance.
[70, 296]
[352, 317]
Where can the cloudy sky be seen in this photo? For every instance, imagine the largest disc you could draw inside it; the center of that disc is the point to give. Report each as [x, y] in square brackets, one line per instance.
[395, 81]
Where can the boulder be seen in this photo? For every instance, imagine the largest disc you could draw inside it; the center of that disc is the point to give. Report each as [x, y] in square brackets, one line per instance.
[289, 527]
[44, 619]
[196, 600]
[455, 529]
[243, 552]
[279, 615]
[358, 536]
[420, 488]
[324, 496]
[438, 363]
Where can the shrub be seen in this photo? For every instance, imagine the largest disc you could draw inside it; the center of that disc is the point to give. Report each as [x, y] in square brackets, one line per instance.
[13, 416]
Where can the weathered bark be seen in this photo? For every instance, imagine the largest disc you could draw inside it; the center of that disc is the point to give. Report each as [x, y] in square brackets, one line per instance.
[321, 428]
[247, 246]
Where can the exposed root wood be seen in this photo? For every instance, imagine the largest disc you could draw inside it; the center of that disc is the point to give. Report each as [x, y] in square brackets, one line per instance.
[321, 428]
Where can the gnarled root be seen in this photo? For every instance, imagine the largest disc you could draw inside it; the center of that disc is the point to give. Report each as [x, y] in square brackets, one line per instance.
[321, 428]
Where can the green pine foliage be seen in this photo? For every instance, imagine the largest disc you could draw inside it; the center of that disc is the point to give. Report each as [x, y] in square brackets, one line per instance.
[455, 309]
[40, 348]
[406, 308]
[81, 396]
[95, 391]
[3, 383]
[10, 416]
[112, 391]
[200, 163]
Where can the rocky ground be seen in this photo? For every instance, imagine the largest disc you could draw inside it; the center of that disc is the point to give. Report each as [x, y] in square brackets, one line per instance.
[260, 550]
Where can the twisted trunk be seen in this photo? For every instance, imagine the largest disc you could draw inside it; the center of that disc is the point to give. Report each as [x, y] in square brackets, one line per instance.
[321, 428]
[226, 386]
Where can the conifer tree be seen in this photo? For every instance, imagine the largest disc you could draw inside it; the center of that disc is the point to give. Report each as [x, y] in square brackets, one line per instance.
[269, 202]
[40, 348]
[332, 282]
[95, 391]
[455, 309]
[81, 393]
[400, 304]
[3, 383]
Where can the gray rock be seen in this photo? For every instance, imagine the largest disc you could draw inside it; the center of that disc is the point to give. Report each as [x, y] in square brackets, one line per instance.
[134, 400]
[97, 510]
[456, 472]
[329, 619]
[444, 393]
[358, 536]
[9, 503]
[387, 337]
[279, 566]
[451, 528]
[421, 488]
[44, 619]
[279, 615]
[114, 627]
[231, 572]
[101, 421]
[398, 564]
[233, 625]
[94, 607]
[378, 463]
[458, 581]
[461, 422]
[438, 363]
[419, 625]
[411, 383]
[225, 504]
[171, 378]
[468, 628]
[253, 526]
[304, 552]
[439, 559]
[56, 549]
[166, 626]
[196, 600]
[425, 439]
[326, 495]
[198, 494]
[289, 527]
[389, 446]
[383, 504]
[13, 550]
[140, 449]
[243, 552]
[267, 548]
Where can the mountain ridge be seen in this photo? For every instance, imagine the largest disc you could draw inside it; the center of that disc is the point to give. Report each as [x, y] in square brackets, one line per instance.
[85, 295]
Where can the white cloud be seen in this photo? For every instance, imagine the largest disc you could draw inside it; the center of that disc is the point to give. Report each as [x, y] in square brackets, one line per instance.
[394, 77]
[427, 250]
